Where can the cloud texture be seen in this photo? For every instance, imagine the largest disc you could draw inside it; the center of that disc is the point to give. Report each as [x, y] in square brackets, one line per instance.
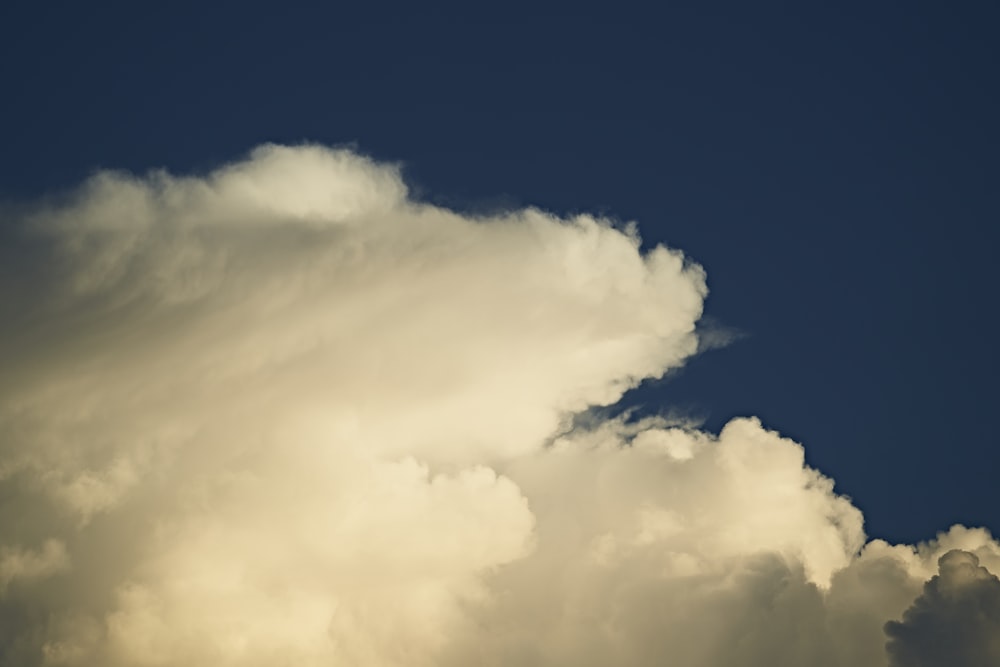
[955, 621]
[284, 415]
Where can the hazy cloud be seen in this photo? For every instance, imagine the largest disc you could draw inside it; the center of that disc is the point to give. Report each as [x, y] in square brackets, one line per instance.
[20, 563]
[283, 414]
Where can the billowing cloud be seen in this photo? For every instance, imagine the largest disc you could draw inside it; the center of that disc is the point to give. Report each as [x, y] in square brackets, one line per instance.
[284, 414]
[955, 621]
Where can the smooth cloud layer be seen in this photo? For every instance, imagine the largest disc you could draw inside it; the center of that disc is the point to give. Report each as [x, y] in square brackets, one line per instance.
[283, 414]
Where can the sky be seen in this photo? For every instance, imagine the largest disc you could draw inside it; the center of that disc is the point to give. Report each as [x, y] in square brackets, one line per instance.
[411, 336]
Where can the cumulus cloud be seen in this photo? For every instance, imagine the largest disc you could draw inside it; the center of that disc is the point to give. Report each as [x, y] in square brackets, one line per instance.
[955, 621]
[284, 414]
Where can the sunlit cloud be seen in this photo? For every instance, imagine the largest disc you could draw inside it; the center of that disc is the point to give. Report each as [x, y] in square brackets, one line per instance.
[285, 414]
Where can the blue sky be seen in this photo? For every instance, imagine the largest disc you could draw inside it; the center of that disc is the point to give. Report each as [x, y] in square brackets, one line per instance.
[831, 165]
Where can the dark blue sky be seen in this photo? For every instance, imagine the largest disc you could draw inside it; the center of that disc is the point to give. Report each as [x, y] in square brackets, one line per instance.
[832, 165]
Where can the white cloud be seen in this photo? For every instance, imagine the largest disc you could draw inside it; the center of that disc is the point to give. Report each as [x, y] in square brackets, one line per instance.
[282, 414]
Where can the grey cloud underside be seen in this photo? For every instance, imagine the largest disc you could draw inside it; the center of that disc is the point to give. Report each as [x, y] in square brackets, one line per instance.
[282, 414]
[955, 621]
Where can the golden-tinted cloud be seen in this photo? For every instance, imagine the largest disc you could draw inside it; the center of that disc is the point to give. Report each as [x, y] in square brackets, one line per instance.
[285, 414]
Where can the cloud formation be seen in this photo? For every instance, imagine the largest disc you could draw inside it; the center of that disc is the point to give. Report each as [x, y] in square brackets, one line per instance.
[284, 414]
[955, 621]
